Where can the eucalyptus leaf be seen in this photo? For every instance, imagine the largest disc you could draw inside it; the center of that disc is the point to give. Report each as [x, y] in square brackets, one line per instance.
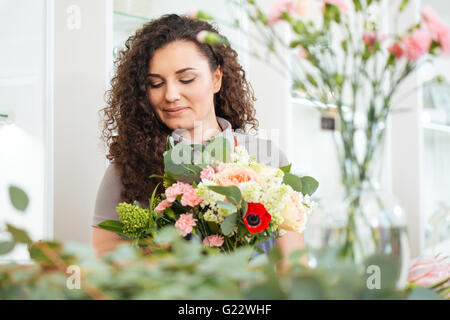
[229, 223]
[19, 235]
[220, 149]
[232, 193]
[309, 185]
[6, 247]
[294, 181]
[19, 198]
[227, 206]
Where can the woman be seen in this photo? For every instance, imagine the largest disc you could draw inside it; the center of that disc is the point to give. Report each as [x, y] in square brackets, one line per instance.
[169, 83]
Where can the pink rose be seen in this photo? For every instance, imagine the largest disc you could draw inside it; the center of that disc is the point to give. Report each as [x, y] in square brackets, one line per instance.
[235, 176]
[213, 241]
[428, 271]
[294, 214]
[185, 223]
[417, 44]
[278, 8]
[341, 4]
[176, 189]
[190, 199]
[397, 50]
[207, 173]
[162, 206]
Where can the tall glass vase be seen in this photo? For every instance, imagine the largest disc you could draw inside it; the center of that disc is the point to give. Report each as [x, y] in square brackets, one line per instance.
[362, 222]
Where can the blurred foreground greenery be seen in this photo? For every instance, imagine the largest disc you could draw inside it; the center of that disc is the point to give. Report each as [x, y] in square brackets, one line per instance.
[180, 269]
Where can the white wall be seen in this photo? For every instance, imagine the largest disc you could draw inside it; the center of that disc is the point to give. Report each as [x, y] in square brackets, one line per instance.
[83, 47]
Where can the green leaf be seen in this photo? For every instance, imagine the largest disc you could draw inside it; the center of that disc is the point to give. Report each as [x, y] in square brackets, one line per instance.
[232, 193]
[306, 288]
[19, 198]
[229, 223]
[294, 181]
[309, 185]
[244, 207]
[403, 5]
[219, 148]
[6, 247]
[167, 235]
[226, 205]
[19, 235]
[152, 199]
[178, 166]
[421, 293]
[286, 169]
[111, 225]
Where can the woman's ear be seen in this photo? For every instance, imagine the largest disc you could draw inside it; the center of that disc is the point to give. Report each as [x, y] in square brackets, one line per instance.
[217, 79]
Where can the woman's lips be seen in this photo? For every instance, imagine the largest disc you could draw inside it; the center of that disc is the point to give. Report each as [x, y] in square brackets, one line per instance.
[175, 111]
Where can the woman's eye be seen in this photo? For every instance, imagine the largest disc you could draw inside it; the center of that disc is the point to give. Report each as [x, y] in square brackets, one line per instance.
[187, 81]
[156, 85]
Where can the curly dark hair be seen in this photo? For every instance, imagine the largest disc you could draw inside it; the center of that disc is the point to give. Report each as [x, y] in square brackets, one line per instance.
[134, 136]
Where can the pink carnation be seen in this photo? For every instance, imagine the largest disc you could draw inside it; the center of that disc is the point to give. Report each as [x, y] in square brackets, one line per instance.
[278, 8]
[438, 30]
[221, 166]
[176, 189]
[208, 173]
[162, 206]
[417, 44]
[213, 241]
[397, 50]
[369, 37]
[341, 4]
[185, 223]
[190, 199]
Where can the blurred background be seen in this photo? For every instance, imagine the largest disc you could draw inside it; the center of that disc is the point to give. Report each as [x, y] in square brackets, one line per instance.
[56, 64]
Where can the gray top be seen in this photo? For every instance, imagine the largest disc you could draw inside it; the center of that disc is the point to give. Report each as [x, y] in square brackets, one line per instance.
[108, 194]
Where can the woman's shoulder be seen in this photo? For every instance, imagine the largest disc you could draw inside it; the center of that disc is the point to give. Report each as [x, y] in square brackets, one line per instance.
[267, 151]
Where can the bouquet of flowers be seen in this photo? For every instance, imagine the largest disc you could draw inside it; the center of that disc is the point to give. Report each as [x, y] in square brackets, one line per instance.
[221, 196]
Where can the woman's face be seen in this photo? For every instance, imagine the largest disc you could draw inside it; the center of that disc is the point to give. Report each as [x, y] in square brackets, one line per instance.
[181, 86]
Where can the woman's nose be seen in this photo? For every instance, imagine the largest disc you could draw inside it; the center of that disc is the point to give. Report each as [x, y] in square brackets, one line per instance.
[172, 92]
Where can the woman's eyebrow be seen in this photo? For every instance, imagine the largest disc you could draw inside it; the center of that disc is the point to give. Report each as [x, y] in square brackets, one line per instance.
[176, 72]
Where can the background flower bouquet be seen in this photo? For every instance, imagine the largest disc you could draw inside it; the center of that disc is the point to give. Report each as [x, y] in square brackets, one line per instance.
[221, 196]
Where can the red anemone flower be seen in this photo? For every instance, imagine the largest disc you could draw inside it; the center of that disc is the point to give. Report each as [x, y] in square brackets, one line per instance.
[256, 218]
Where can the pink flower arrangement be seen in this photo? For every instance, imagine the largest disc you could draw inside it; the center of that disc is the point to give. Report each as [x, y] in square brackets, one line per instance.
[278, 8]
[417, 44]
[185, 223]
[214, 240]
[428, 271]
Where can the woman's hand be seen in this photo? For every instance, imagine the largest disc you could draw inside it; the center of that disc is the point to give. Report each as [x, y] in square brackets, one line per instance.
[288, 243]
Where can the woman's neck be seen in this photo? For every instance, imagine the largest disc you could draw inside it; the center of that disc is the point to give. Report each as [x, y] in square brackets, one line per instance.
[202, 132]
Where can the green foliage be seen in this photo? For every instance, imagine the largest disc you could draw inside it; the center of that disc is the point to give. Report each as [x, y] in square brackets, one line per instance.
[19, 199]
[135, 219]
[232, 193]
